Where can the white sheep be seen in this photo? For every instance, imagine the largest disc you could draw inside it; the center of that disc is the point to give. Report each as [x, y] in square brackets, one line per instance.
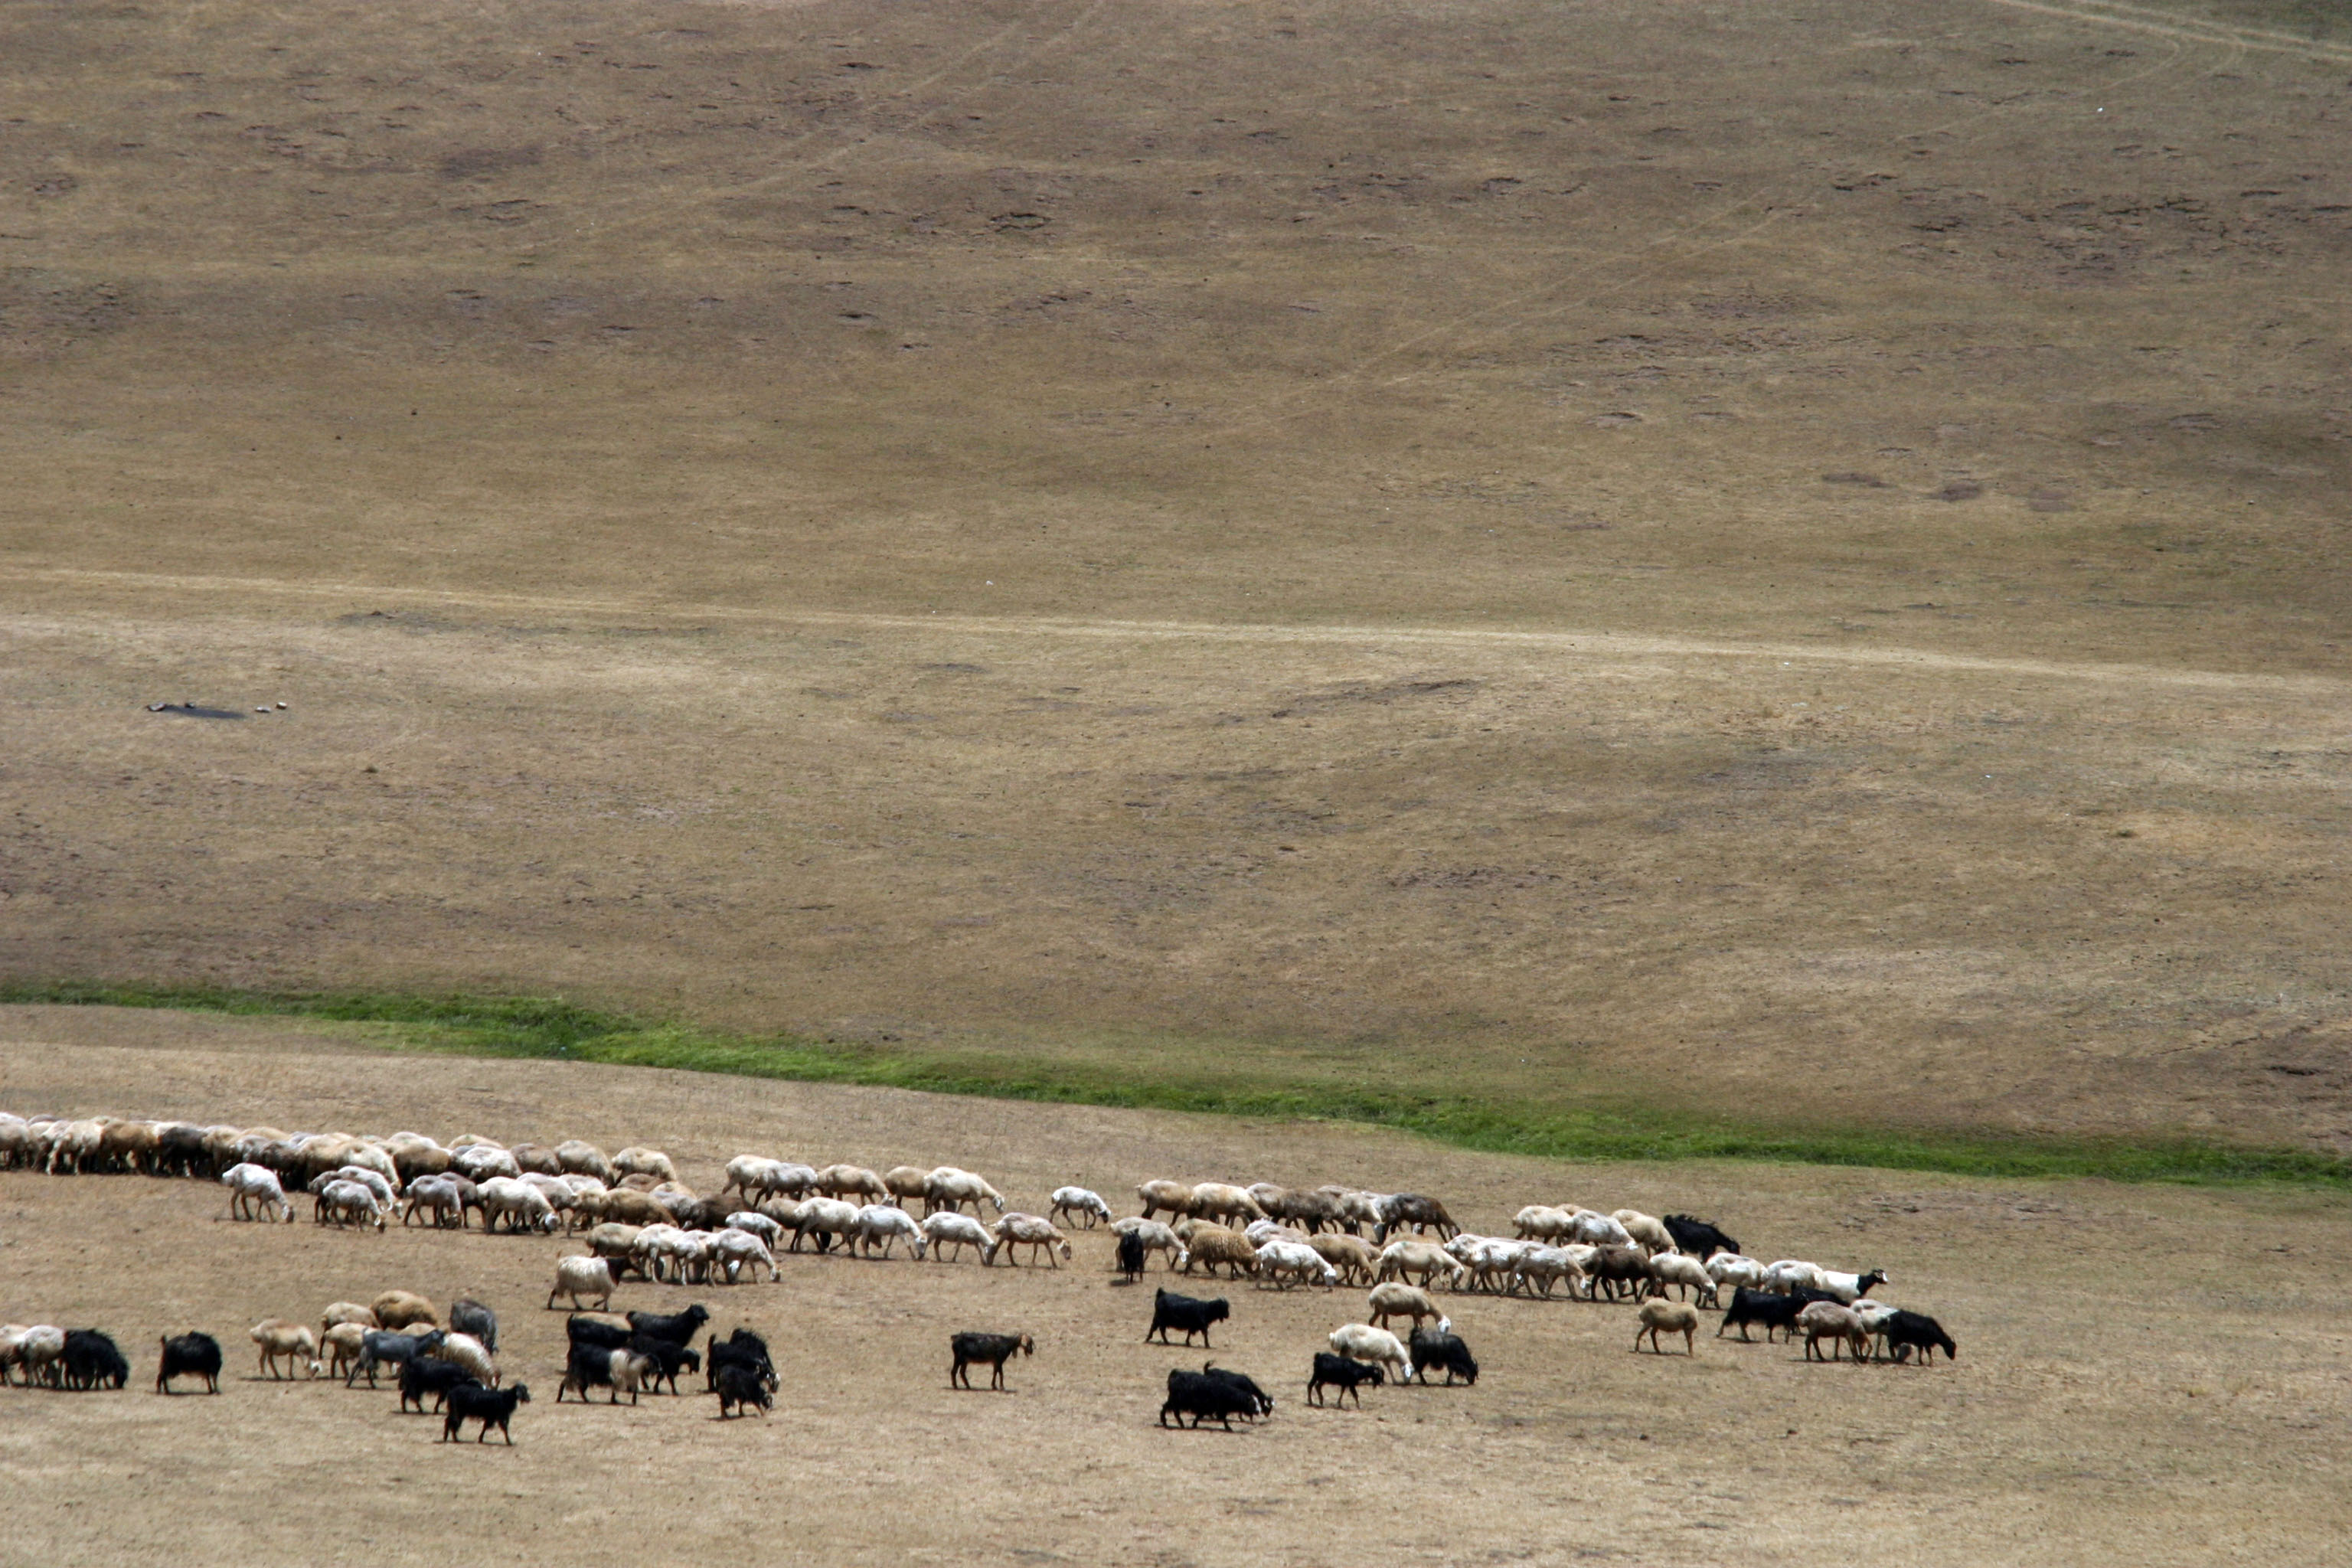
[1873, 1317]
[1362, 1342]
[340, 1345]
[635, 1162]
[1648, 1231]
[1542, 1267]
[764, 1226]
[253, 1192]
[824, 1218]
[1657, 1318]
[585, 1276]
[466, 1351]
[1033, 1231]
[1412, 1256]
[278, 1339]
[748, 1174]
[480, 1162]
[731, 1250]
[1784, 1277]
[880, 1225]
[949, 1188]
[1686, 1273]
[1542, 1222]
[1600, 1230]
[521, 1206]
[1080, 1204]
[1281, 1260]
[949, 1230]
[1735, 1269]
[385, 1193]
[348, 1203]
[1156, 1235]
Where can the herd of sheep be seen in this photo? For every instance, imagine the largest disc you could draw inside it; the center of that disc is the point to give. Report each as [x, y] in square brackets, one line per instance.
[637, 1219]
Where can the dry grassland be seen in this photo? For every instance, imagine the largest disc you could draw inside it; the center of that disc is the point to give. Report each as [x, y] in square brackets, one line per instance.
[2146, 1376]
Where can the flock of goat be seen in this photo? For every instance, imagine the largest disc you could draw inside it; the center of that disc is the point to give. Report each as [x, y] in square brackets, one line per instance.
[637, 1219]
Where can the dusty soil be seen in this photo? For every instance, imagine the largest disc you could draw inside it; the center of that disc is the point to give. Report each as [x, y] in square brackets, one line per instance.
[2146, 1376]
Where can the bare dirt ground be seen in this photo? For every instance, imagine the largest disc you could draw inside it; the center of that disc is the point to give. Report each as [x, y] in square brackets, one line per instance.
[2146, 1376]
[1669, 551]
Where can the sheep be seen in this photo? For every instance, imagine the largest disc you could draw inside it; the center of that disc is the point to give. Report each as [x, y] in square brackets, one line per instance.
[1350, 1255]
[624, 1206]
[519, 1204]
[732, 1250]
[960, 1230]
[1151, 1234]
[348, 1203]
[1222, 1201]
[254, 1190]
[1616, 1266]
[531, 1158]
[278, 1339]
[1402, 1260]
[1600, 1230]
[1422, 1214]
[949, 1188]
[414, 1155]
[1396, 1301]
[1648, 1231]
[582, 1159]
[347, 1313]
[1346, 1375]
[1829, 1321]
[882, 1223]
[1261, 1231]
[848, 1181]
[491, 1407]
[993, 1349]
[1280, 1261]
[826, 1218]
[1188, 1314]
[341, 1344]
[1736, 1270]
[1174, 1197]
[1356, 1209]
[400, 1308]
[1210, 1244]
[1542, 1222]
[1442, 1347]
[1493, 1262]
[636, 1162]
[617, 1243]
[1686, 1273]
[1080, 1205]
[1698, 1238]
[757, 1223]
[747, 1174]
[1034, 1232]
[40, 1350]
[385, 1194]
[191, 1356]
[1542, 1267]
[480, 1162]
[1310, 1210]
[1663, 1317]
[467, 1316]
[440, 1198]
[466, 1351]
[1790, 1273]
[1362, 1342]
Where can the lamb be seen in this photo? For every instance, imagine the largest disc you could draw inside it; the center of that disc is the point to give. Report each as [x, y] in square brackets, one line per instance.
[1362, 1342]
[1080, 1205]
[1688, 1274]
[1698, 1238]
[1906, 1332]
[254, 1190]
[880, 1225]
[1662, 1317]
[636, 1162]
[993, 1349]
[1034, 1232]
[491, 1407]
[1294, 1261]
[1829, 1321]
[1174, 1197]
[1648, 1231]
[949, 1188]
[467, 1316]
[402, 1309]
[1213, 1245]
[738, 1388]
[1190, 1314]
[189, 1355]
[1346, 1375]
[294, 1342]
[1397, 1301]
[1442, 1347]
[732, 1250]
[617, 1372]
[466, 1351]
[944, 1231]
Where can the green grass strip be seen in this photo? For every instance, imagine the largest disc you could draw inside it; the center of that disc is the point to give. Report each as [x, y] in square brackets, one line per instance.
[551, 1028]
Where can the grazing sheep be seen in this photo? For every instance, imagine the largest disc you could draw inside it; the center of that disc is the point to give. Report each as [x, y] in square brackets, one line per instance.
[491, 1407]
[1542, 1267]
[904, 1183]
[467, 1316]
[824, 1218]
[1210, 1246]
[1441, 1347]
[733, 1251]
[1829, 1321]
[1403, 1259]
[1350, 1255]
[521, 1206]
[347, 1313]
[1662, 1317]
[535, 1158]
[189, 1355]
[1684, 1273]
[762, 1226]
[401, 1308]
[340, 1345]
[1189, 1315]
[852, 1181]
[348, 1203]
[292, 1342]
[1396, 1301]
[624, 1206]
[1600, 1230]
[879, 1224]
[1222, 1201]
[1034, 1232]
[466, 1351]
[1649, 1232]
[1362, 1342]
[1357, 1210]
[1346, 1377]
[616, 1242]
[993, 1349]
[583, 1159]
[1152, 1235]
[254, 1190]
[443, 1199]
[386, 1195]
[1080, 1205]
[636, 1162]
[1284, 1263]
[1172, 1197]
[958, 1231]
[1735, 1269]
[1422, 1214]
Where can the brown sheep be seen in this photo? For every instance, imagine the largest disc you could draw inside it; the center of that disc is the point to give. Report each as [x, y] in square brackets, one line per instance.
[1175, 1197]
[1210, 1244]
[1671, 1318]
[400, 1308]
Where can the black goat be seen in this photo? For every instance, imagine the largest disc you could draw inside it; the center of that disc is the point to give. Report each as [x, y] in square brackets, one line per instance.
[1698, 1238]
[741, 1349]
[93, 1361]
[1131, 1255]
[467, 1316]
[581, 1329]
[195, 1355]
[1261, 1402]
[678, 1328]
[1204, 1395]
[1190, 1314]
[426, 1375]
[668, 1360]
[590, 1366]
[469, 1401]
[1346, 1377]
[993, 1349]
[1773, 1311]
[740, 1387]
[1440, 1348]
[1906, 1332]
